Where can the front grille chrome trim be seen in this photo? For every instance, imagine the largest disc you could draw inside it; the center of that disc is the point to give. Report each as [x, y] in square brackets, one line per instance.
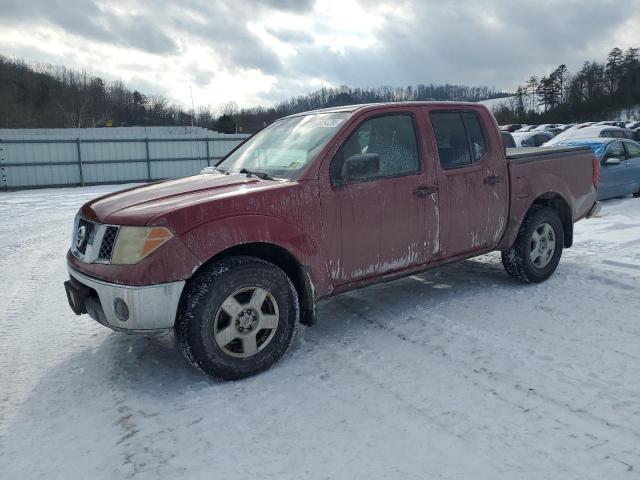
[91, 250]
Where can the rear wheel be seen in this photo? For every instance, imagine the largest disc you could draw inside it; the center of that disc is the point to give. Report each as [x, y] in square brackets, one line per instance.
[238, 316]
[536, 252]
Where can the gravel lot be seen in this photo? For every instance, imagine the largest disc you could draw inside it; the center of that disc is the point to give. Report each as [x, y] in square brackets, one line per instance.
[455, 373]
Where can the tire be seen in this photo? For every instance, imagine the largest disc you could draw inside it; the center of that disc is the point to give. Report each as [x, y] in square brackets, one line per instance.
[524, 261]
[225, 305]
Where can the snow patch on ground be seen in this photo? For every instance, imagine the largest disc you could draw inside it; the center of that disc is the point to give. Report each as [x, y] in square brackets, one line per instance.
[455, 373]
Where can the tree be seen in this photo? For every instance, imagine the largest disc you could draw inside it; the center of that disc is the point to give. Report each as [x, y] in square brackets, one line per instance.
[612, 69]
[560, 75]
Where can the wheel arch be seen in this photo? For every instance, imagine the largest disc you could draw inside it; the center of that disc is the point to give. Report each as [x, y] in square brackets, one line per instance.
[559, 204]
[282, 258]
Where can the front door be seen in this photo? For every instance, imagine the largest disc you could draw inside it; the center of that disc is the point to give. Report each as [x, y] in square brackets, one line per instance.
[473, 180]
[383, 217]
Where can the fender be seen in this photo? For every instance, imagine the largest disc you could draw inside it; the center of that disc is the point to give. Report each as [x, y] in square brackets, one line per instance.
[525, 193]
[210, 239]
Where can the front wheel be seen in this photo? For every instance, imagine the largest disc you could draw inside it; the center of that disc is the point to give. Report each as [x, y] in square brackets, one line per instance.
[536, 252]
[237, 317]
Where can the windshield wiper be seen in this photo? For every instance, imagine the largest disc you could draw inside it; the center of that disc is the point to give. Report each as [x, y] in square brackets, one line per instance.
[261, 175]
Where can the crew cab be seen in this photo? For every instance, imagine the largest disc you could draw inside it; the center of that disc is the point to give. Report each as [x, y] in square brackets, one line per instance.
[316, 204]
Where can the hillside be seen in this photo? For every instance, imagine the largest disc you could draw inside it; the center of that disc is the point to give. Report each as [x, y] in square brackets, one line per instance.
[607, 90]
[46, 96]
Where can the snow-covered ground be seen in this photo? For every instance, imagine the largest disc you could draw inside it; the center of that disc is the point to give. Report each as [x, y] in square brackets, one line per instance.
[455, 373]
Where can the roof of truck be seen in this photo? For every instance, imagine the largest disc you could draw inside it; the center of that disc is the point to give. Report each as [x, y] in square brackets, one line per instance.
[361, 106]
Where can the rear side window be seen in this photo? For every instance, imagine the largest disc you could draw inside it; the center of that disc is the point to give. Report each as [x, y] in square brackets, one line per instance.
[612, 134]
[391, 137]
[529, 142]
[540, 139]
[474, 133]
[459, 137]
[633, 150]
[507, 140]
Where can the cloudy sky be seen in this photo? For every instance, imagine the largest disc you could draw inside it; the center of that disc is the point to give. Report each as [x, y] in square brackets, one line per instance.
[259, 52]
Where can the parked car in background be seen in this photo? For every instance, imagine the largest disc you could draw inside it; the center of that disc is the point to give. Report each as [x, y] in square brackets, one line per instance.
[593, 132]
[316, 204]
[531, 139]
[565, 126]
[527, 128]
[633, 125]
[613, 123]
[547, 127]
[620, 164]
[583, 125]
[512, 127]
[507, 140]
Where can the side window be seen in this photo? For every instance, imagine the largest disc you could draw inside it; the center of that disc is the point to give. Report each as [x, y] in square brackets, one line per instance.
[530, 141]
[474, 132]
[383, 146]
[633, 149]
[615, 150]
[459, 137]
[540, 139]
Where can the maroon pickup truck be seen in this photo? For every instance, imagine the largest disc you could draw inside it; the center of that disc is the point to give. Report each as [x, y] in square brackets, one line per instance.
[316, 204]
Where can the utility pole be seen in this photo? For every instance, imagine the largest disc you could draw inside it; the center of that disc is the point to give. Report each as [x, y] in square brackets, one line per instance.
[193, 108]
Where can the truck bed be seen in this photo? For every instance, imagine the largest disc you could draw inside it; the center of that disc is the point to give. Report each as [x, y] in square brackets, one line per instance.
[536, 172]
[534, 154]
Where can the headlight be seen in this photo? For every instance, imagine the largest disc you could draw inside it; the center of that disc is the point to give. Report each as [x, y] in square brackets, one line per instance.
[135, 243]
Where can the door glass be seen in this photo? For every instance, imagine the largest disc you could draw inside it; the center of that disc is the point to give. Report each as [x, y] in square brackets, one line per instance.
[392, 137]
[633, 149]
[474, 132]
[540, 139]
[459, 137]
[615, 150]
[453, 146]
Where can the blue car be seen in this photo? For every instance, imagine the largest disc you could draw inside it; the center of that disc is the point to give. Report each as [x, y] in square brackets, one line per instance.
[619, 164]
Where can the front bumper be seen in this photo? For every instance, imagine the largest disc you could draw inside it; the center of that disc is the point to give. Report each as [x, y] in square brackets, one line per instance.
[151, 308]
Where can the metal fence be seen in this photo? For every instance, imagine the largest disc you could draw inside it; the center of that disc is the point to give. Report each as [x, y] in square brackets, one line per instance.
[73, 157]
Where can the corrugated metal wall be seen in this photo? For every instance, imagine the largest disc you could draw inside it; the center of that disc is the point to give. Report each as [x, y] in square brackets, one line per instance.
[32, 158]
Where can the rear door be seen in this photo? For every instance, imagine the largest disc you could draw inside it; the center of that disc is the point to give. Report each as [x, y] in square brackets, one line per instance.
[473, 180]
[385, 220]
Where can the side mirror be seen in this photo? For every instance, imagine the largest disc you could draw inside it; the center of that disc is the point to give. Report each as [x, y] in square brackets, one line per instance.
[360, 166]
[612, 161]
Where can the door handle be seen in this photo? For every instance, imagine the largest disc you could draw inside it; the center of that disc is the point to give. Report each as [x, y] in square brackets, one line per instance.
[493, 179]
[425, 191]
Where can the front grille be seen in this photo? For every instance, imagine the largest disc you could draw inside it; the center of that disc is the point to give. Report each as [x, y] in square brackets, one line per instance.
[88, 230]
[94, 242]
[108, 242]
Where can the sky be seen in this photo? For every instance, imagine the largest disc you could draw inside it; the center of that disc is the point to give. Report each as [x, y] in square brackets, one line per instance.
[261, 52]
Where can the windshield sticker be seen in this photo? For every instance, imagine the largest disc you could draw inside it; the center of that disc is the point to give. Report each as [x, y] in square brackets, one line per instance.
[329, 123]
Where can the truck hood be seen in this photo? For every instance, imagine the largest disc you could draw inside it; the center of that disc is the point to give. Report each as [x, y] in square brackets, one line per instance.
[139, 205]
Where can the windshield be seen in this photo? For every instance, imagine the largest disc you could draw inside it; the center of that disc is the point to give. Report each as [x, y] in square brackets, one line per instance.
[284, 148]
